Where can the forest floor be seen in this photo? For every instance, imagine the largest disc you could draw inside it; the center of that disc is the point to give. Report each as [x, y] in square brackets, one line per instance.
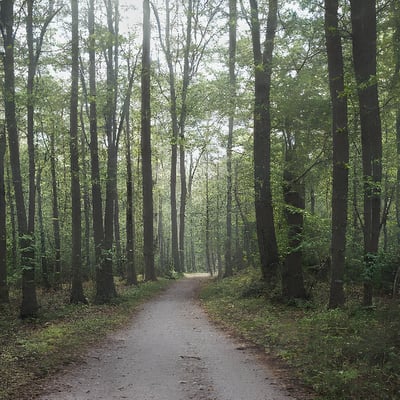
[170, 351]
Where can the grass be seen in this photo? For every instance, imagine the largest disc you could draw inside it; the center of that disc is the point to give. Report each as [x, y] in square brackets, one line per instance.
[352, 353]
[31, 350]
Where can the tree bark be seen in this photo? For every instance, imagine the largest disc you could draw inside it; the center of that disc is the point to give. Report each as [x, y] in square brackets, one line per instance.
[267, 243]
[293, 194]
[4, 298]
[55, 214]
[147, 181]
[29, 304]
[77, 295]
[340, 154]
[43, 256]
[97, 202]
[363, 20]
[131, 276]
[105, 290]
[232, 104]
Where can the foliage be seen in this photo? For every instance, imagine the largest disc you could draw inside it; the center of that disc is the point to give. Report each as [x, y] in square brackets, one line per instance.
[31, 350]
[351, 353]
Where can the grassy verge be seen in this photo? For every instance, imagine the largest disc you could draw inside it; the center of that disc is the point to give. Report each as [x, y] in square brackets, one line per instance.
[342, 354]
[31, 350]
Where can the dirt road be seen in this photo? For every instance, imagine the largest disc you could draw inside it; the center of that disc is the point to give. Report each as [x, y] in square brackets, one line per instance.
[169, 352]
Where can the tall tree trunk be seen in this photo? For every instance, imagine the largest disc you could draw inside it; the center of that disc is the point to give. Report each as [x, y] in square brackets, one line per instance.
[14, 240]
[182, 127]
[55, 214]
[43, 256]
[267, 243]
[97, 202]
[340, 158]
[118, 248]
[29, 304]
[131, 276]
[232, 105]
[174, 141]
[363, 20]
[208, 225]
[147, 181]
[77, 295]
[293, 194]
[3, 223]
[105, 290]
[86, 204]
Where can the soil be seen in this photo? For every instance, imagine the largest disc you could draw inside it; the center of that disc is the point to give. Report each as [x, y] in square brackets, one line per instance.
[171, 351]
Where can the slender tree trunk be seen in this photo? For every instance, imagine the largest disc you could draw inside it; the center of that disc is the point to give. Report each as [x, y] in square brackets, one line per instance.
[232, 105]
[208, 225]
[174, 142]
[3, 222]
[55, 214]
[148, 230]
[97, 202]
[86, 205]
[267, 243]
[14, 250]
[363, 19]
[29, 304]
[293, 193]
[118, 248]
[340, 159]
[77, 295]
[105, 290]
[131, 276]
[43, 256]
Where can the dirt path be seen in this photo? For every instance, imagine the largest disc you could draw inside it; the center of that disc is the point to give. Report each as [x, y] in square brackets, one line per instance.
[169, 352]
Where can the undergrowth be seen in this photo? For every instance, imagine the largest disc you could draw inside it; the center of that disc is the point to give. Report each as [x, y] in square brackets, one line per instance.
[352, 353]
[31, 350]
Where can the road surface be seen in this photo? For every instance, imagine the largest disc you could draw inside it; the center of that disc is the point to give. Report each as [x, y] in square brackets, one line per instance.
[169, 352]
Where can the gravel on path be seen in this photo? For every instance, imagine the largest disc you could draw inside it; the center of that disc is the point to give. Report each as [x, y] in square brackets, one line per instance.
[170, 351]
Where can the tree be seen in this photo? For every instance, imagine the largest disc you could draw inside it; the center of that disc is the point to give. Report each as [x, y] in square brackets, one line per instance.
[77, 295]
[147, 181]
[105, 288]
[267, 243]
[294, 203]
[340, 154]
[173, 109]
[232, 92]
[3, 223]
[29, 304]
[364, 36]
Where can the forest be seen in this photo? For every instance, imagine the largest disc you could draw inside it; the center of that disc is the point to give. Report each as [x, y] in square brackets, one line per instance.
[141, 140]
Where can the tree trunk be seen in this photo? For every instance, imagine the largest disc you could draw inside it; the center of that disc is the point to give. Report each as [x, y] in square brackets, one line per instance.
[208, 227]
[55, 214]
[3, 222]
[363, 19]
[77, 295]
[232, 105]
[267, 243]
[14, 251]
[174, 143]
[105, 290]
[97, 202]
[43, 256]
[340, 159]
[147, 181]
[293, 193]
[396, 41]
[131, 276]
[118, 248]
[29, 304]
